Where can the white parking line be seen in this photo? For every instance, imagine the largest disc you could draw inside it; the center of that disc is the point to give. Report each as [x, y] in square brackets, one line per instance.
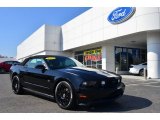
[151, 86]
[142, 83]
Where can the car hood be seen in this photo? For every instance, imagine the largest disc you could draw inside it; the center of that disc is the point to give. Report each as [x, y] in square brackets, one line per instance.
[89, 73]
[139, 66]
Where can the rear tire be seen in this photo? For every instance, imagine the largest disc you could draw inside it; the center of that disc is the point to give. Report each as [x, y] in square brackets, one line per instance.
[2, 70]
[64, 95]
[141, 72]
[16, 86]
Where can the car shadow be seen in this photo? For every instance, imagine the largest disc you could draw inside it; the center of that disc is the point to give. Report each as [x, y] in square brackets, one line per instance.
[123, 104]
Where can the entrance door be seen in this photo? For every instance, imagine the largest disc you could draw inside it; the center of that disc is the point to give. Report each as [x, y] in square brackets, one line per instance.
[121, 59]
[124, 57]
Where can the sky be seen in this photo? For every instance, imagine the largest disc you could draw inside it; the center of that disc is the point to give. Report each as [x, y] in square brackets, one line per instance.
[16, 24]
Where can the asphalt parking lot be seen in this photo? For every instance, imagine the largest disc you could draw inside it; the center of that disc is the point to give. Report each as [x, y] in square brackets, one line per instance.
[140, 96]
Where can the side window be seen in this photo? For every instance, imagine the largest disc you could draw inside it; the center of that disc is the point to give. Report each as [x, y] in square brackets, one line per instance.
[32, 63]
[12, 62]
[17, 63]
[40, 62]
[69, 63]
[8, 62]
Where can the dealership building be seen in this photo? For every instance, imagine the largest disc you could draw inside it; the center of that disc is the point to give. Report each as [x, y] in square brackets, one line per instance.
[104, 38]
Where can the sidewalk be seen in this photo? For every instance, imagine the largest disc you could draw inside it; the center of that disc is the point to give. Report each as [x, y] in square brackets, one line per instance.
[136, 77]
[133, 77]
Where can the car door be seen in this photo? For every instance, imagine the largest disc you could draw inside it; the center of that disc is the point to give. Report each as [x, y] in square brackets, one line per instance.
[36, 78]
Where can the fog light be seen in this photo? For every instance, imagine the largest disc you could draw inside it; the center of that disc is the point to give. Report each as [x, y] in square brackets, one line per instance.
[82, 96]
[89, 83]
[84, 83]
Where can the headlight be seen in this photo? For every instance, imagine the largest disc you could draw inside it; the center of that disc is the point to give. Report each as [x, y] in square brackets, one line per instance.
[89, 83]
[103, 83]
[119, 80]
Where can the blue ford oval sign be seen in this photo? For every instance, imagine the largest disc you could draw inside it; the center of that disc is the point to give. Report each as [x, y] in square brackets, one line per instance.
[121, 14]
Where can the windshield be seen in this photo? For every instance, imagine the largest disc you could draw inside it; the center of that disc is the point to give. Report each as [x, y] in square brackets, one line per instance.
[62, 62]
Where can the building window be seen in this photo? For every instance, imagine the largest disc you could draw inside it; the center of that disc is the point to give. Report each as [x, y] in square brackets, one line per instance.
[124, 57]
[91, 58]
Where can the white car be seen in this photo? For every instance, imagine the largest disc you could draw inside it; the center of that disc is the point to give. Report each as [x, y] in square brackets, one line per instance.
[138, 69]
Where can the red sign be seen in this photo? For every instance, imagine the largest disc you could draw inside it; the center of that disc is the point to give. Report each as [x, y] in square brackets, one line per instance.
[93, 57]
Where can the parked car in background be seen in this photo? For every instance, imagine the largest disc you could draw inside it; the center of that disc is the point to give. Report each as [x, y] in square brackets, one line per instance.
[6, 65]
[138, 69]
[66, 80]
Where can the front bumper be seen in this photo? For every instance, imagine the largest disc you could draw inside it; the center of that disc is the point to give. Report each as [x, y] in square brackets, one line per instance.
[133, 71]
[90, 96]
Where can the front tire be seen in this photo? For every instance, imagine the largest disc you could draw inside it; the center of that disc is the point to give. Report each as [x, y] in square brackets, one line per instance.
[141, 72]
[64, 95]
[16, 86]
[2, 70]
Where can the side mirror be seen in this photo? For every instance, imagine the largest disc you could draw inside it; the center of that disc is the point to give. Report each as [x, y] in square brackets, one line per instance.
[41, 67]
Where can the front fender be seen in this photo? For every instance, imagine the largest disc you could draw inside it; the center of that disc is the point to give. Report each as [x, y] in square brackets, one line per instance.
[73, 80]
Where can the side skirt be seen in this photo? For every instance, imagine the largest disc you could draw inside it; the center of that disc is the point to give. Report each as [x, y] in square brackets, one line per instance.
[39, 93]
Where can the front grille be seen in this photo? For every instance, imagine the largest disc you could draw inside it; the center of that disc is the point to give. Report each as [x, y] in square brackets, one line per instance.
[109, 83]
[112, 82]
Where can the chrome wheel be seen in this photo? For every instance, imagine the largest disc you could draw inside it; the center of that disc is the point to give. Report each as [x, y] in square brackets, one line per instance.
[64, 95]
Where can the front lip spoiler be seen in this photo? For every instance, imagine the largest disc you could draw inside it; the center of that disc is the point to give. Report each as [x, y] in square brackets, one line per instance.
[115, 95]
[98, 101]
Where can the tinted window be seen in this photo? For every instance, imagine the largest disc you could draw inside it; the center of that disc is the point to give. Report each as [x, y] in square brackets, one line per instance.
[16, 63]
[61, 62]
[11, 62]
[8, 62]
[32, 63]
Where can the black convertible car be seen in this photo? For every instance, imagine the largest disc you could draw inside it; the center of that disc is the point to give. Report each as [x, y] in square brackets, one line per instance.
[65, 79]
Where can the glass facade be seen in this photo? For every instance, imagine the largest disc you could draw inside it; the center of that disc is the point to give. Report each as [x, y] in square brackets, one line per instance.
[90, 58]
[124, 57]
